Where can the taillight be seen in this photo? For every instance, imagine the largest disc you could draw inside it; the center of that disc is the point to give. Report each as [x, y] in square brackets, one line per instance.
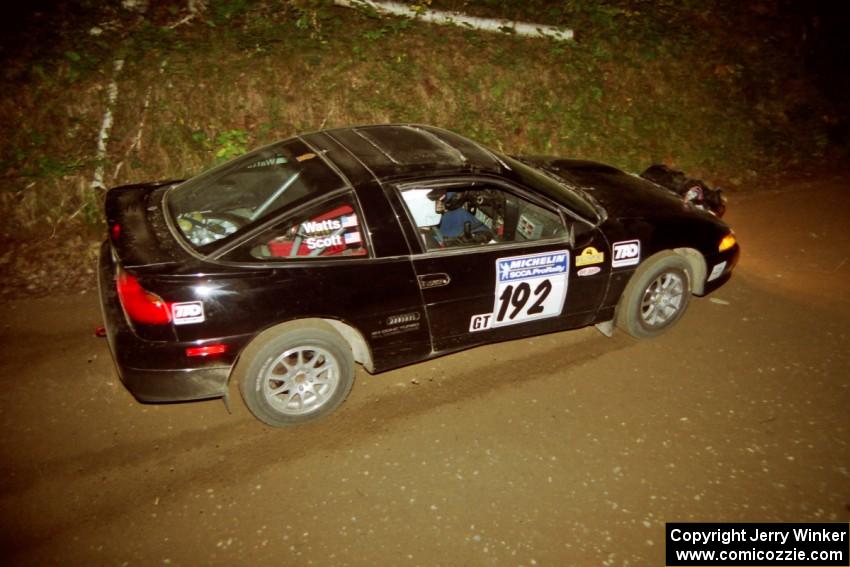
[141, 305]
[208, 350]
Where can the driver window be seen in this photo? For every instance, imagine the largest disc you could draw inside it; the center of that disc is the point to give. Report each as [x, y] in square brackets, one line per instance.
[329, 229]
[450, 217]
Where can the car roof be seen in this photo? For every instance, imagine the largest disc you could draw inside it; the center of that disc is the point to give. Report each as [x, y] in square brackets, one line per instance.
[397, 150]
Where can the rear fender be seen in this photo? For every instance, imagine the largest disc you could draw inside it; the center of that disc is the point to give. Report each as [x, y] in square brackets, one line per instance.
[359, 347]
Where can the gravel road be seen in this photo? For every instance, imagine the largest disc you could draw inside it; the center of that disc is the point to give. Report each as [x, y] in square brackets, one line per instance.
[566, 449]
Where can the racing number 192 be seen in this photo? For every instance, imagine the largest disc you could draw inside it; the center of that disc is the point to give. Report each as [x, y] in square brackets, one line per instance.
[518, 297]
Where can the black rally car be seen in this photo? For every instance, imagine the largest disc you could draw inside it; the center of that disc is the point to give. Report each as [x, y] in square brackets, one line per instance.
[382, 245]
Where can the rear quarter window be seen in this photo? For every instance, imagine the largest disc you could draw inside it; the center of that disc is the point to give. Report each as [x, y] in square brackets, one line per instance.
[248, 190]
[328, 229]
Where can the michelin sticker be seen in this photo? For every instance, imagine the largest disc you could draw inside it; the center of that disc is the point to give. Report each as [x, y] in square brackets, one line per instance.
[527, 288]
[626, 253]
[188, 312]
[590, 255]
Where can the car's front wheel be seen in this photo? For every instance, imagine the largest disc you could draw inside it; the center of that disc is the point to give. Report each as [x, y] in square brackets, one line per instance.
[656, 296]
[295, 374]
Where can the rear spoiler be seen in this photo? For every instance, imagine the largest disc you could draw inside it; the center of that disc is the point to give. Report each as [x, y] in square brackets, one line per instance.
[137, 229]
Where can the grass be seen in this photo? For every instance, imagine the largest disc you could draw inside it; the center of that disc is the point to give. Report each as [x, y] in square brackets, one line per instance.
[669, 82]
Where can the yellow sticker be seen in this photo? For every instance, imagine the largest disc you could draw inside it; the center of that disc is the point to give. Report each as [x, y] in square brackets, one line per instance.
[305, 157]
[590, 255]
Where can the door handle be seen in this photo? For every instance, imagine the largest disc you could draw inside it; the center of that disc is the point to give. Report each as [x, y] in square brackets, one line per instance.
[427, 281]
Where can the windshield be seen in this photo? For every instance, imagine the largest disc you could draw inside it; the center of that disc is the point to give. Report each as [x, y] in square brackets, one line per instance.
[224, 200]
[552, 188]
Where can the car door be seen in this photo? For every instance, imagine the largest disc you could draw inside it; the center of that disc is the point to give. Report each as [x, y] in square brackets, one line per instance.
[495, 262]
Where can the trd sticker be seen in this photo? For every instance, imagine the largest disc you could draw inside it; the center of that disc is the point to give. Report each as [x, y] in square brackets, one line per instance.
[590, 255]
[188, 312]
[626, 253]
[717, 271]
[527, 288]
[589, 271]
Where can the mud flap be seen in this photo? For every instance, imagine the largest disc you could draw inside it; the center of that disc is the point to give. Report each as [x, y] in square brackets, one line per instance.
[606, 328]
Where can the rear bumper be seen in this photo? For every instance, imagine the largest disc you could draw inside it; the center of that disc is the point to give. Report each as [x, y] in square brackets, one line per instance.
[174, 385]
[160, 371]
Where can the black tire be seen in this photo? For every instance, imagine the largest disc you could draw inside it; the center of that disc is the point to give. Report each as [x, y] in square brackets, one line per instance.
[299, 373]
[656, 297]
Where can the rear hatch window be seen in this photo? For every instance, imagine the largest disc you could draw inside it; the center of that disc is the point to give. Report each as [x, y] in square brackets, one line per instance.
[225, 200]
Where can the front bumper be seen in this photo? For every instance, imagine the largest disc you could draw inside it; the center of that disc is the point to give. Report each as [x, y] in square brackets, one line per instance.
[719, 268]
[160, 371]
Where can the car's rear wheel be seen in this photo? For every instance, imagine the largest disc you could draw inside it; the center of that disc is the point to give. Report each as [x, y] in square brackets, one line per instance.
[656, 297]
[295, 374]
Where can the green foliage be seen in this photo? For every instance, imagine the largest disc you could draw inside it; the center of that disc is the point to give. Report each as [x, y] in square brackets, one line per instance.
[314, 16]
[53, 167]
[77, 64]
[224, 146]
[89, 210]
[223, 11]
[150, 36]
[644, 82]
[231, 143]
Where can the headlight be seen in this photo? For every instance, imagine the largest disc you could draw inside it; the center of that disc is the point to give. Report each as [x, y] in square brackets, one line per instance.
[727, 242]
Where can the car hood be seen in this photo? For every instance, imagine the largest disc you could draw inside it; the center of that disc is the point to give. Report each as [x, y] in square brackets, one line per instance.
[621, 194]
